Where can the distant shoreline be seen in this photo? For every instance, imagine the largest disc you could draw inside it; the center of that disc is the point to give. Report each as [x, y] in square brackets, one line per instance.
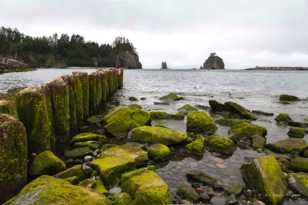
[278, 68]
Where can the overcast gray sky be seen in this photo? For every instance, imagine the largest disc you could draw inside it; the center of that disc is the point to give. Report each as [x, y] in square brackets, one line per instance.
[182, 32]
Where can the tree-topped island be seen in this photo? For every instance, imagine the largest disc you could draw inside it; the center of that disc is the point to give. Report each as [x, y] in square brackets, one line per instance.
[214, 62]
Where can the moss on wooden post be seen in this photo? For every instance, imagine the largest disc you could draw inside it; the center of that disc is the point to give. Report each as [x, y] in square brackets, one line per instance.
[93, 93]
[7, 107]
[84, 80]
[32, 111]
[13, 156]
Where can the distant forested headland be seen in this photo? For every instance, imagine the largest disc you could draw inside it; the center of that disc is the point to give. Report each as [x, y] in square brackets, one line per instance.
[64, 51]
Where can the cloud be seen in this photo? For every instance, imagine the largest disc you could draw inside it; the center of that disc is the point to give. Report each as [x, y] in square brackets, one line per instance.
[245, 33]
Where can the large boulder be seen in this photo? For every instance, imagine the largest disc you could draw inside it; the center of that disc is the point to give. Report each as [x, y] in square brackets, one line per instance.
[118, 159]
[159, 151]
[13, 156]
[292, 145]
[153, 135]
[265, 175]
[239, 110]
[50, 190]
[46, 163]
[146, 187]
[214, 62]
[201, 122]
[123, 119]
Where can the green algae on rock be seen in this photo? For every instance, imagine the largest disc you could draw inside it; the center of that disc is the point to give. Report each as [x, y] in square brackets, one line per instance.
[239, 110]
[50, 190]
[299, 183]
[217, 106]
[187, 192]
[229, 122]
[13, 156]
[292, 145]
[299, 164]
[74, 171]
[296, 132]
[89, 136]
[153, 135]
[221, 144]
[185, 109]
[146, 187]
[8, 107]
[196, 146]
[201, 177]
[283, 118]
[265, 175]
[285, 97]
[158, 151]
[46, 163]
[171, 97]
[201, 122]
[158, 115]
[123, 119]
[32, 111]
[78, 152]
[122, 198]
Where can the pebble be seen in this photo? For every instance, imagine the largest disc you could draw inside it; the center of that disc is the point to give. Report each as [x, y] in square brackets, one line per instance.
[204, 196]
[87, 169]
[96, 153]
[115, 190]
[88, 158]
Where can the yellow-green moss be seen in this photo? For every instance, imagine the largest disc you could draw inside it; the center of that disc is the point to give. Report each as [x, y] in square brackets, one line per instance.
[171, 97]
[200, 122]
[196, 146]
[13, 156]
[92, 93]
[265, 175]
[185, 109]
[46, 163]
[50, 190]
[239, 110]
[89, 136]
[162, 135]
[221, 144]
[292, 145]
[299, 164]
[296, 132]
[158, 115]
[246, 130]
[159, 151]
[123, 119]
[229, 122]
[8, 107]
[122, 198]
[283, 118]
[94, 184]
[300, 183]
[75, 171]
[33, 112]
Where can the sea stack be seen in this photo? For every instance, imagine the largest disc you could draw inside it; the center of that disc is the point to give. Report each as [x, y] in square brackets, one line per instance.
[164, 65]
[214, 62]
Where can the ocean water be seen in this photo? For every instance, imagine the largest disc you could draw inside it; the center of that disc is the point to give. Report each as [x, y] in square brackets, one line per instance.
[257, 90]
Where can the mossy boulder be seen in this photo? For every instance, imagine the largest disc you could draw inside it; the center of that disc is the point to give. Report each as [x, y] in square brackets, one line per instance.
[247, 134]
[50, 190]
[230, 122]
[122, 198]
[75, 172]
[283, 118]
[78, 152]
[239, 110]
[146, 187]
[221, 144]
[32, 111]
[89, 136]
[201, 122]
[265, 175]
[13, 156]
[285, 97]
[123, 119]
[299, 183]
[158, 115]
[159, 151]
[118, 159]
[187, 192]
[292, 145]
[171, 97]
[299, 164]
[94, 184]
[8, 107]
[196, 146]
[217, 106]
[185, 109]
[153, 135]
[46, 163]
[296, 132]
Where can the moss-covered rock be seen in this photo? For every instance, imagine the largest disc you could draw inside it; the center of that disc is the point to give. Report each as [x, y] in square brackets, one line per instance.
[153, 135]
[91, 144]
[288, 98]
[299, 183]
[32, 111]
[221, 144]
[78, 152]
[196, 146]
[265, 175]
[46, 163]
[50, 190]
[159, 151]
[8, 107]
[89, 136]
[201, 177]
[118, 159]
[122, 198]
[94, 184]
[239, 111]
[292, 145]
[13, 156]
[217, 106]
[146, 187]
[298, 124]
[201, 122]
[296, 132]
[299, 164]
[248, 134]
[229, 122]
[187, 192]
[171, 97]
[74, 171]
[185, 109]
[158, 115]
[123, 119]
[132, 98]
[283, 118]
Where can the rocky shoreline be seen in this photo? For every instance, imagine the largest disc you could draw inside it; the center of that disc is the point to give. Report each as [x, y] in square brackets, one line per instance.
[91, 152]
[279, 68]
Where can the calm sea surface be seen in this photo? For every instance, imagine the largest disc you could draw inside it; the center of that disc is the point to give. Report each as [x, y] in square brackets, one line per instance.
[257, 90]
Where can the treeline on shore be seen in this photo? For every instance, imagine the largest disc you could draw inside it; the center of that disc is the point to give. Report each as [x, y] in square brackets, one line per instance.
[61, 50]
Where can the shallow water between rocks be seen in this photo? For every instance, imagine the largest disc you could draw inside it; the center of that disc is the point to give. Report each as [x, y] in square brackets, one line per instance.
[257, 90]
